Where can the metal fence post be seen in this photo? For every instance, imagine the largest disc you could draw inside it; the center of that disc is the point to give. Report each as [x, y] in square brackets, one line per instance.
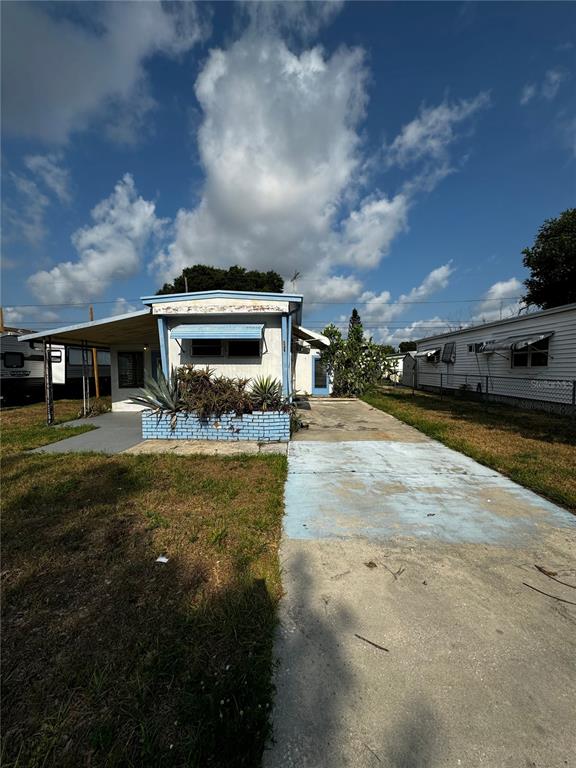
[486, 389]
[441, 390]
[574, 392]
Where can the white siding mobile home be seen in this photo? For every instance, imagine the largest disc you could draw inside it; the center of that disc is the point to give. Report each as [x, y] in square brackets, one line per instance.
[531, 358]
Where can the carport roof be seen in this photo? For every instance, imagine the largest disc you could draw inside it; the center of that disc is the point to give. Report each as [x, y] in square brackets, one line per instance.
[133, 328]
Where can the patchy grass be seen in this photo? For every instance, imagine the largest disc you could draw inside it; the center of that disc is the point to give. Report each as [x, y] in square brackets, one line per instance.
[537, 450]
[25, 428]
[111, 658]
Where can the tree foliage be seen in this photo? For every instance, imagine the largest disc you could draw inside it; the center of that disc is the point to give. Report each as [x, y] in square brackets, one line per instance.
[407, 346]
[356, 363]
[552, 263]
[202, 277]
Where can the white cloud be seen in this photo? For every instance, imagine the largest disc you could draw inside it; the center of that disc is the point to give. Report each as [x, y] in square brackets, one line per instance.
[379, 308]
[429, 136]
[547, 89]
[123, 307]
[49, 169]
[111, 249]
[553, 79]
[302, 18]
[528, 93]
[24, 216]
[500, 301]
[20, 316]
[60, 73]
[280, 145]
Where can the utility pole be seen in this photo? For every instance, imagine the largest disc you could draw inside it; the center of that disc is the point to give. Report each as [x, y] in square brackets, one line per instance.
[95, 360]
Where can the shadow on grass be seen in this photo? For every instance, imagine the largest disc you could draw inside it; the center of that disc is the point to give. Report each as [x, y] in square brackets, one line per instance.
[535, 425]
[111, 658]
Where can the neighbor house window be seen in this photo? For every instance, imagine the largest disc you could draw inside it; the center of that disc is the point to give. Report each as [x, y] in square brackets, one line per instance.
[130, 369]
[13, 360]
[449, 352]
[244, 348]
[206, 348]
[534, 356]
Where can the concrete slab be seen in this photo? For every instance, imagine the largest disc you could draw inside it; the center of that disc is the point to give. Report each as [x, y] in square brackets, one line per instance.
[336, 420]
[208, 447]
[408, 637]
[115, 433]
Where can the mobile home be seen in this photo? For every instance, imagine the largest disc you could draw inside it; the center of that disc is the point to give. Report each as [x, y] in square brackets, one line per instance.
[530, 358]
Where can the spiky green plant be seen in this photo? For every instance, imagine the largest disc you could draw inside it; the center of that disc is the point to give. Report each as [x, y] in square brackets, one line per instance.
[161, 396]
[266, 394]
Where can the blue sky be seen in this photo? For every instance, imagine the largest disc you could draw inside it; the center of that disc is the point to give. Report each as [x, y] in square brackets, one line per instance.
[397, 156]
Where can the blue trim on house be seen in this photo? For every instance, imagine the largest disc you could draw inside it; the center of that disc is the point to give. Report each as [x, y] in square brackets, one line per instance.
[163, 336]
[319, 390]
[289, 356]
[218, 331]
[81, 326]
[285, 369]
[167, 297]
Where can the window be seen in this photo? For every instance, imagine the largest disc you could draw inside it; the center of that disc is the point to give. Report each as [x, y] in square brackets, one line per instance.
[534, 356]
[475, 347]
[244, 348]
[103, 357]
[56, 355]
[13, 360]
[449, 352]
[206, 348]
[130, 369]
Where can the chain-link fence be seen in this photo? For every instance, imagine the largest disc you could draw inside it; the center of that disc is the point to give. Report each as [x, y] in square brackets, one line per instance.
[526, 391]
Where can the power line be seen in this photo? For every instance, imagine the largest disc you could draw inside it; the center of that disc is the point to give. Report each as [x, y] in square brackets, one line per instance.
[310, 303]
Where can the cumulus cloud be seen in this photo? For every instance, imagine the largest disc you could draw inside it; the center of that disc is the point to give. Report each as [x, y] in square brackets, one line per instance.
[379, 308]
[500, 301]
[108, 250]
[123, 307]
[60, 73]
[280, 145]
[301, 18]
[20, 316]
[529, 91]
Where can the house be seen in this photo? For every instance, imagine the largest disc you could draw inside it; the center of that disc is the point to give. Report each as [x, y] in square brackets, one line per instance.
[403, 366]
[530, 359]
[237, 333]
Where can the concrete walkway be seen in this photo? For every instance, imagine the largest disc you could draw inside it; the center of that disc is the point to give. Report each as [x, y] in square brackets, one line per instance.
[115, 433]
[408, 638]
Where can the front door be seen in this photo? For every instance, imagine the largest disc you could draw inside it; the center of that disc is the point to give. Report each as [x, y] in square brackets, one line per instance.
[319, 378]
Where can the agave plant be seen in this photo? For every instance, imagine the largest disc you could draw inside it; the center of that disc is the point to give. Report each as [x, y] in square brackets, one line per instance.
[266, 394]
[161, 396]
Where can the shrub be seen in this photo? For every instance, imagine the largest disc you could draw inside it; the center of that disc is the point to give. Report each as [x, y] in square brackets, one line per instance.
[208, 395]
[266, 394]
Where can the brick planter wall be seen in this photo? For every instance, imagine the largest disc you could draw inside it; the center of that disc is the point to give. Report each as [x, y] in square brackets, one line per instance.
[260, 426]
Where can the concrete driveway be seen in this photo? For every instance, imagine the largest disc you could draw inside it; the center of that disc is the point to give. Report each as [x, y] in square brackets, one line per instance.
[408, 637]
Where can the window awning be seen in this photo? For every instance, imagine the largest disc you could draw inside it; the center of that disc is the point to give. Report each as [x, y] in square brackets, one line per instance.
[427, 353]
[220, 331]
[514, 342]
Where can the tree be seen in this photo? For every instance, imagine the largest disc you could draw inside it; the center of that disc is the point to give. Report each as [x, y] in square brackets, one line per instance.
[552, 263]
[356, 363]
[201, 277]
[406, 346]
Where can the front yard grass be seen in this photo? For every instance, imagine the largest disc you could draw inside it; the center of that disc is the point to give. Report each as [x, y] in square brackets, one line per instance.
[25, 427]
[111, 658]
[537, 450]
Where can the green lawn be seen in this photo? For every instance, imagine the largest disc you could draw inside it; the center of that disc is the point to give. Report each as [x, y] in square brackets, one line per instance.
[111, 658]
[537, 450]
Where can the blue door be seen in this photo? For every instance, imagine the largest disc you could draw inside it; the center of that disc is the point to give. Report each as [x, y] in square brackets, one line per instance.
[319, 378]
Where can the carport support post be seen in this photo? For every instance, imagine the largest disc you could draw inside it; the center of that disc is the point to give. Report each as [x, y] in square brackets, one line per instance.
[85, 381]
[48, 388]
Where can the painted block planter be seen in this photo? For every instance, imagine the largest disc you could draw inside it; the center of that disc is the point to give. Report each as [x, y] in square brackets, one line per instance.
[260, 426]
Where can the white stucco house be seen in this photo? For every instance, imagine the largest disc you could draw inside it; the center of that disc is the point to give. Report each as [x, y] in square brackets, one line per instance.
[531, 358]
[238, 333]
